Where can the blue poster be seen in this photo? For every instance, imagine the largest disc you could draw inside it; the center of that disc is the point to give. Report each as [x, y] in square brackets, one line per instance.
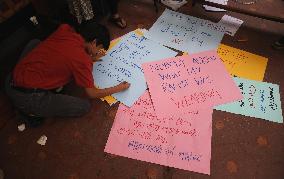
[186, 33]
[261, 100]
[123, 63]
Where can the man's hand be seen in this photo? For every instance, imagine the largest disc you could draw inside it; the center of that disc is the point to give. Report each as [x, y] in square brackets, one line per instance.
[99, 93]
[123, 86]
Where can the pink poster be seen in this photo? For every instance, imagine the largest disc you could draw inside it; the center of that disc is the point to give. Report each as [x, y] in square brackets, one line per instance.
[182, 142]
[190, 82]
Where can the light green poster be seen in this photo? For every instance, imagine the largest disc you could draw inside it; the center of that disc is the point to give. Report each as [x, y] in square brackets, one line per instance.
[261, 100]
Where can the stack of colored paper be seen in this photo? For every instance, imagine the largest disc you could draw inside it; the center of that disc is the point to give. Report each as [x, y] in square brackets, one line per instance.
[170, 123]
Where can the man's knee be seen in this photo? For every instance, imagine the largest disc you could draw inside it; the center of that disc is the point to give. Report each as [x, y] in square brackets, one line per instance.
[83, 108]
[58, 105]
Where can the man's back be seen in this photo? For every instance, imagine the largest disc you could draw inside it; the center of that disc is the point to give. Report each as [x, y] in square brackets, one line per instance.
[55, 62]
[64, 56]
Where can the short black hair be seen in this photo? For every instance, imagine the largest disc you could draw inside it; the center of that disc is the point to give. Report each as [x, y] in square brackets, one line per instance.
[91, 30]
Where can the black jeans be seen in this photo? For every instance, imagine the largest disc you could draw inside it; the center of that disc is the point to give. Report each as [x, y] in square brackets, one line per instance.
[45, 103]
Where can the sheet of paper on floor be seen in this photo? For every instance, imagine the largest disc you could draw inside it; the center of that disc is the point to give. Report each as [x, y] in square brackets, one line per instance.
[116, 41]
[174, 4]
[215, 9]
[186, 33]
[243, 64]
[210, 8]
[182, 142]
[123, 63]
[261, 100]
[190, 82]
[232, 24]
[109, 99]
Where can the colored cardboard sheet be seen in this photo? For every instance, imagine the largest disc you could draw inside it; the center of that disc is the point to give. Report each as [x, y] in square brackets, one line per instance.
[243, 64]
[261, 100]
[109, 99]
[114, 43]
[123, 63]
[190, 82]
[182, 142]
[186, 33]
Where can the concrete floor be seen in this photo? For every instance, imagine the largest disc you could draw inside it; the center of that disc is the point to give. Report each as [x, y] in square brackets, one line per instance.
[242, 147]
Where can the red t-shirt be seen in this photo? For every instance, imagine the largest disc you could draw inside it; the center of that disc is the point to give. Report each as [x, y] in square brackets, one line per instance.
[55, 62]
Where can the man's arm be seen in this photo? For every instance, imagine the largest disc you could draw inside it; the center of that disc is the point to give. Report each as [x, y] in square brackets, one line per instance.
[99, 93]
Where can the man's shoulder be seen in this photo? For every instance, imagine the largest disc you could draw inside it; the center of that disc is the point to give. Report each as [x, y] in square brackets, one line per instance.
[66, 39]
[65, 32]
[65, 27]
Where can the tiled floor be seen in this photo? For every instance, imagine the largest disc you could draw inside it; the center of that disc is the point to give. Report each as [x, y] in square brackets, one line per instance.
[242, 147]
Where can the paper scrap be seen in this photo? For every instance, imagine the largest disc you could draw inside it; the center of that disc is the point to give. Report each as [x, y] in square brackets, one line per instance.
[182, 142]
[21, 127]
[186, 33]
[215, 9]
[232, 24]
[243, 64]
[184, 83]
[261, 100]
[123, 63]
[174, 4]
[210, 8]
[42, 140]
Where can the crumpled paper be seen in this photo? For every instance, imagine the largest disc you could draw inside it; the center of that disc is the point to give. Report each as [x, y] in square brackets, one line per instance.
[21, 127]
[42, 140]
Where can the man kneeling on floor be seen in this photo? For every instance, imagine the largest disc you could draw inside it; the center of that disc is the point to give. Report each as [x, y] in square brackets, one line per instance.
[64, 56]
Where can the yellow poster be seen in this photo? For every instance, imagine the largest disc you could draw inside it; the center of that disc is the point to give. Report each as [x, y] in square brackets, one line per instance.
[109, 99]
[243, 64]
